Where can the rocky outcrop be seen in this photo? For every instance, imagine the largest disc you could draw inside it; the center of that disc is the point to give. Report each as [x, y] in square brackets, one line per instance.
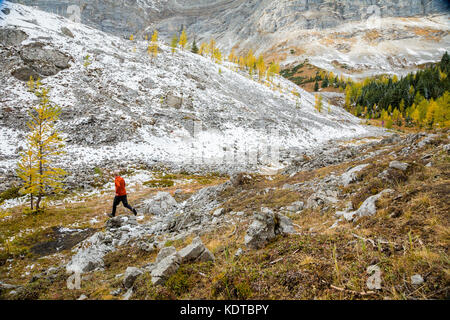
[46, 61]
[402, 166]
[174, 101]
[12, 37]
[320, 198]
[265, 227]
[37, 59]
[351, 175]
[295, 206]
[367, 208]
[162, 204]
[131, 275]
[119, 231]
[167, 263]
[196, 251]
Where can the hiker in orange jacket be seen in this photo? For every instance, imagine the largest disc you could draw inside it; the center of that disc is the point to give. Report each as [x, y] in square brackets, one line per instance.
[121, 195]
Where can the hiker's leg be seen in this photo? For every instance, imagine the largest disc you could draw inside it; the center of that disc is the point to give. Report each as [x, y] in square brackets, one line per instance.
[115, 203]
[126, 205]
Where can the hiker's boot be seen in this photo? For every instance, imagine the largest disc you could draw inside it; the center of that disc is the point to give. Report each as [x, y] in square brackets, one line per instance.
[110, 215]
[134, 212]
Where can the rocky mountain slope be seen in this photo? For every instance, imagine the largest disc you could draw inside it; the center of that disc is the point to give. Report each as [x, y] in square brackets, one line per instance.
[370, 223]
[121, 107]
[355, 38]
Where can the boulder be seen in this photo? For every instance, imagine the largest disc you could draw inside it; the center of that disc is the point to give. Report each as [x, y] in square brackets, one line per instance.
[240, 179]
[416, 280]
[24, 73]
[131, 275]
[284, 225]
[120, 221]
[173, 101]
[164, 253]
[196, 251]
[427, 140]
[398, 165]
[262, 229]
[395, 138]
[265, 226]
[66, 31]
[218, 212]
[12, 37]
[162, 204]
[206, 256]
[44, 61]
[320, 198]
[295, 206]
[368, 207]
[165, 268]
[350, 176]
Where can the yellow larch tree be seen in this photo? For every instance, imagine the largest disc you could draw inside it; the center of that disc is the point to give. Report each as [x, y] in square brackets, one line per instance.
[44, 145]
[174, 43]
[183, 39]
[153, 47]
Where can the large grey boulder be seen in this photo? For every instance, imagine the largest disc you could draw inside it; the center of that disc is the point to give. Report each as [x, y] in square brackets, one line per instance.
[45, 61]
[262, 229]
[284, 225]
[165, 267]
[368, 207]
[196, 251]
[164, 253]
[162, 204]
[295, 206]
[131, 275]
[120, 221]
[350, 176]
[398, 165]
[24, 73]
[320, 198]
[12, 37]
[265, 226]
[173, 101]
[66, 31]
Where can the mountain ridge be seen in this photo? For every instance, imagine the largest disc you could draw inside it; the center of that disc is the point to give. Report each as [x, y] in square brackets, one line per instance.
[352, 38]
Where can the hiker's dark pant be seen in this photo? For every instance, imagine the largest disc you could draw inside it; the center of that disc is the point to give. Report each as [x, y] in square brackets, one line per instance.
[118, 200]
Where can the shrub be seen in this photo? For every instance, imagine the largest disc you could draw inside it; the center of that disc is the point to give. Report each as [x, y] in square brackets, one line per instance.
[11, 193]
[163, 183]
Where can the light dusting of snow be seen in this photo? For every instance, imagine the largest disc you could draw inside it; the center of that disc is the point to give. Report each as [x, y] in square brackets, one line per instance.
[229, 107]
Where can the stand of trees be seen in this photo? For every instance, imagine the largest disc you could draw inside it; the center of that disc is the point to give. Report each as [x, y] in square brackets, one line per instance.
[420, 98]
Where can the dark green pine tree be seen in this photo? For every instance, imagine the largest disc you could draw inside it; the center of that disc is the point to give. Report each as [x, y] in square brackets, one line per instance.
[445, 62]
[316, 86]
[194, 47]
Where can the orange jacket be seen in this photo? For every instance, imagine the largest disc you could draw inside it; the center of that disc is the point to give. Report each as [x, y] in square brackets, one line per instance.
[120, 186]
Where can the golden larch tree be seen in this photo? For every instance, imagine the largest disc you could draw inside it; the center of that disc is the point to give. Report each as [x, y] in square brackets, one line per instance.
[174, 43]
[44, 145]
[153, 47]
[183, 39]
